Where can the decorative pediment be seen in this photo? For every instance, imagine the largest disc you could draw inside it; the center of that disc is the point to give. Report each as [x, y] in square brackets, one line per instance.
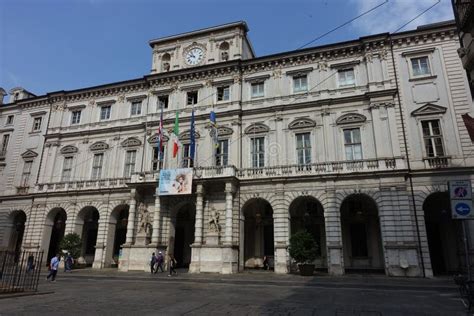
[224, 131]
[131, 142]
[99, 146]
[429, 109]
[187, 135]
[302, 123]
[351, 118]
[69, 149]
[154, 139]
[29, 154]
[257, 128]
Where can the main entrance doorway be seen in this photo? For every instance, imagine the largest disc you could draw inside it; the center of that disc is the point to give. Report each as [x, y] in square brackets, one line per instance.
[54, 231]
[308, 214]
[87, 225]
[184, 235]
[444, 234]
[361, 238]
[116, 235]
[258, 234]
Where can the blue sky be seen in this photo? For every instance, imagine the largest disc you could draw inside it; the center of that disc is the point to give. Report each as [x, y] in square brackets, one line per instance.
[52, 45]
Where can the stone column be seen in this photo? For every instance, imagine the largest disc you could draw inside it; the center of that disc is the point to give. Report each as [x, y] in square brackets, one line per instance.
[199, 215]
[131, 217]
[229, 191]
[101, 242]
[156, 220]
[333, 234]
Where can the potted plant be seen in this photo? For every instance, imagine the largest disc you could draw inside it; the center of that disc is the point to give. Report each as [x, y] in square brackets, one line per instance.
[304, 249]
[71, 243]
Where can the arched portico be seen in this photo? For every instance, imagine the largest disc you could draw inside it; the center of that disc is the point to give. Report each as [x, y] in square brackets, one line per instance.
[443, 233]
[116, 234]
[258, 233]
[307, 213]
[87, 226]
[181, 234]
[14, 230]
[53, 231]
[361, 237]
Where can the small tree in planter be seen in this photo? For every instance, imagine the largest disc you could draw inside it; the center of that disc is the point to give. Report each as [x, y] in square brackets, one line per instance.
[71, 243]
[304, 249]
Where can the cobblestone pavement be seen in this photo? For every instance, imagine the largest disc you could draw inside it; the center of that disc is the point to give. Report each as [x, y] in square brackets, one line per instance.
[111, 293]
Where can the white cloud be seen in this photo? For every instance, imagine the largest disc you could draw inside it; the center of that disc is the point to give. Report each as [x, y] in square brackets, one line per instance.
[395, 13]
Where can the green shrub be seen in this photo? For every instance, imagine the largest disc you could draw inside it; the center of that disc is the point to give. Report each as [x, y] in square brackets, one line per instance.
[71, 243]
[303, 247]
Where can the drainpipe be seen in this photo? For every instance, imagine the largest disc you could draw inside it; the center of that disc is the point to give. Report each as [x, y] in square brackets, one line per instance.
[409, 171]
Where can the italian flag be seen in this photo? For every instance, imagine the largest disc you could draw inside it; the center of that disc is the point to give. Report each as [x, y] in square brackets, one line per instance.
[176, 135]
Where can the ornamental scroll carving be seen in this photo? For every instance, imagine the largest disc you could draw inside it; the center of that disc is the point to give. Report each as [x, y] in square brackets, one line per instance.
[69, 149]
[99, 146]
[131, 142]
[302, 123]
[257, 128]
[351, 118]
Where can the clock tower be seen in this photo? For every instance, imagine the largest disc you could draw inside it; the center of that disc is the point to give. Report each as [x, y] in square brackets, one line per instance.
[202, 47]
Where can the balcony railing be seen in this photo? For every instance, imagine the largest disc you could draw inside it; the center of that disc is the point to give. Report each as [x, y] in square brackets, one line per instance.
[436, 162]
[82, 185]
[324, 168]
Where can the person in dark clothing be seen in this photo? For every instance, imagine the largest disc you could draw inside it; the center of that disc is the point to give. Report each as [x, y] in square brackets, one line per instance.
[159, 262]
[68, 262]
[152, 263]
[172, 264]
[30, 266]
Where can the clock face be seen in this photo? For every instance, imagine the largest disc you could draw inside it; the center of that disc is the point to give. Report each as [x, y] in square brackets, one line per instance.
[194, 56]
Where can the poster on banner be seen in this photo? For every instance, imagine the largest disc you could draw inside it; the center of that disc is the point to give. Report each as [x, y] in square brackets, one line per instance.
[175, 181]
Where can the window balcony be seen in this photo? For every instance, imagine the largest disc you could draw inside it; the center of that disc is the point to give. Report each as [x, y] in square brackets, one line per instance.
[82, 185]
[437, 162]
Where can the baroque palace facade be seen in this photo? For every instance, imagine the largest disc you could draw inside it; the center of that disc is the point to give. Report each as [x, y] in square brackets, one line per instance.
[353, 141]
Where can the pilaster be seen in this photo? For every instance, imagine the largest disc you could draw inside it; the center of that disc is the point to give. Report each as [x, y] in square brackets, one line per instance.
[131, 217]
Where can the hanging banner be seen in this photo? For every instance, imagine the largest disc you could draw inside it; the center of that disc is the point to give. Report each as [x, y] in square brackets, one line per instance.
[460, 193]
[175, 181]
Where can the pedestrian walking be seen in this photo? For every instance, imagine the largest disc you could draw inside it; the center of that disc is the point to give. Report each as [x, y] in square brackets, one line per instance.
[159, 262]
[68, 262]
[172, 264]
[152, 263]
[30, 265]
[53, 268]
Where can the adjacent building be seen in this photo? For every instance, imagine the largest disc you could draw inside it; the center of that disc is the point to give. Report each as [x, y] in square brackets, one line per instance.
[354, 142]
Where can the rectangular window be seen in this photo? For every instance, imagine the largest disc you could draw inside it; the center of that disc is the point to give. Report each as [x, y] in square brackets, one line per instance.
[25, 176]
[105, 112]
[186, 161]
[420, 66]
[352, 144]
[10, 119]
[37, 124]
[303, 148]
[130, 157]
[163, 102]
[76, 117]
[136, 108]
[300, 83]
[257, 89]
[223, 93]
[258, 152]
[5, 140]
[157, 162]
[97, 166]
[222, 153]
[432, 138]
[346, 77]
[192, 97]
[67, 169]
